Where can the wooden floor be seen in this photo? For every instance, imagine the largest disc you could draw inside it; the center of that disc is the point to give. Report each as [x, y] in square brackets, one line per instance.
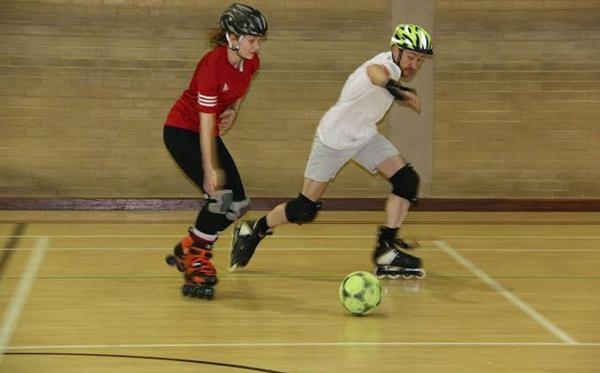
[505, 292]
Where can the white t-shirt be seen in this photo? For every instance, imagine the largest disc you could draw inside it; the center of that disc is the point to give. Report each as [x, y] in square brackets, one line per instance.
[354, 117]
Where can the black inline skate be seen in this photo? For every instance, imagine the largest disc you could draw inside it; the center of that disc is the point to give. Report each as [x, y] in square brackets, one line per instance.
[192, 256]
[245, 240]
[391, 260]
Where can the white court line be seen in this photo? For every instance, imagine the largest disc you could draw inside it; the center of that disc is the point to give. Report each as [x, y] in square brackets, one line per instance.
[299, 344]
[283, 236]
[527, 309]
[225, 248]
[370, 237]
[312, 248]
[13, 312]
[565, 341]
[471, 237]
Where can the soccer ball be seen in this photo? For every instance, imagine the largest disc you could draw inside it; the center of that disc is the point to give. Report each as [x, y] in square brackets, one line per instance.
[360, 293]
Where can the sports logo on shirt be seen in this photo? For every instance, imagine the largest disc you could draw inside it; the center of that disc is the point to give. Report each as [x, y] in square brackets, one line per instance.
[208, 101]
[225, 87]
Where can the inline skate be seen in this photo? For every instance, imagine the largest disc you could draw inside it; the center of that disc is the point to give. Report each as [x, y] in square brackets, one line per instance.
[192, 257]
[391, 261]
[245, 241]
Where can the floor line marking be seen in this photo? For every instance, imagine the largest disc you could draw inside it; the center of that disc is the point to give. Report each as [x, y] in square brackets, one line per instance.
[21, 292]
[546, 237]
[316, 248]
[527, 309]
[11, 244]
[293, 236]
[299, 344]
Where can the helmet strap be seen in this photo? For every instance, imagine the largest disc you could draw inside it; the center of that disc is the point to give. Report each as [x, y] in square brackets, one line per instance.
[230, 43]
[236, 49]
[397, 60]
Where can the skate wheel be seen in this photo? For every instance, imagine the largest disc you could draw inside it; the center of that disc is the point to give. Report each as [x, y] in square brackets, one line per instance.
[209, 293]
[186, 290]
[407, 276]
[421, 274]
[377, 272]
[198, 293]
[171, 260]
[203, 292]
[394, 276]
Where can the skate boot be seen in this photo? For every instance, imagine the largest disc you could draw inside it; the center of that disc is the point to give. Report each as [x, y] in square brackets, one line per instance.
[403, 244]
[391, 261]
[245, 240]
[192, 256]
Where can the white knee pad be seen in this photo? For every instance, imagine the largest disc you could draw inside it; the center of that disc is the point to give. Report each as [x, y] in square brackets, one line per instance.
[237, 209]
[220, 203]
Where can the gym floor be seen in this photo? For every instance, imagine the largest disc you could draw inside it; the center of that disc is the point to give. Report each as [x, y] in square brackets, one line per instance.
[504, 292]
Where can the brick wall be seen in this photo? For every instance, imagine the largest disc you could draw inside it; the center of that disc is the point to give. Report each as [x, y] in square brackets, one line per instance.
[517, 99]
[86, 85]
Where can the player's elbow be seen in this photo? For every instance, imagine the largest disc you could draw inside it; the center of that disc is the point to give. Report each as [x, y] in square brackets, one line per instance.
[378, 75]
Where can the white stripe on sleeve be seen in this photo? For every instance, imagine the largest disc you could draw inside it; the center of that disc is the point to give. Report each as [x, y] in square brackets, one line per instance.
[210, 101]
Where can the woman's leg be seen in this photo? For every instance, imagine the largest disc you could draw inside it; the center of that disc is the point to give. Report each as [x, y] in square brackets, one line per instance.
[192, 254]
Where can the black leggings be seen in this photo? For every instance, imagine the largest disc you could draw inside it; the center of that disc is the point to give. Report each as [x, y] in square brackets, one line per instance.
[184, 147]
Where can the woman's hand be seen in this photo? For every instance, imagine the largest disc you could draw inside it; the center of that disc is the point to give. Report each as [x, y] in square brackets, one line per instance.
[226, 120]
[211, 181]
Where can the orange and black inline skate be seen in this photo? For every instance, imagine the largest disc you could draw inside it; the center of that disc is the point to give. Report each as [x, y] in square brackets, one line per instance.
[192, 257]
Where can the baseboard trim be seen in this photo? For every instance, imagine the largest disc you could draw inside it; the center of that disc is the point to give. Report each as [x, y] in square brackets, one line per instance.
[332, 204]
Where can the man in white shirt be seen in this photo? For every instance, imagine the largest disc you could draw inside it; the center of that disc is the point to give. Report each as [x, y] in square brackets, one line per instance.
[348, 131]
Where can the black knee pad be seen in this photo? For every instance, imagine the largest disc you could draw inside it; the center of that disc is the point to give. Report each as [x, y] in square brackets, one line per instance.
[301, 210]
[405, 183]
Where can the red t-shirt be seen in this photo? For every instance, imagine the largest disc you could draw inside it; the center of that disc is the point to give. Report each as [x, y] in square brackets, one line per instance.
[213, 88]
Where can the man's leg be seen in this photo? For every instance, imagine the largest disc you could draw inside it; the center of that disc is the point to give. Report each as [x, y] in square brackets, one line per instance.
[396, 207]
[389, 257]
[311, 189]
[302, 209]
[323, 164]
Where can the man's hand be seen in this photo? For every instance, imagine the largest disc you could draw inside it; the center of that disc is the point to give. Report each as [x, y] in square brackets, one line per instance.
[406, 95]
[412, 101]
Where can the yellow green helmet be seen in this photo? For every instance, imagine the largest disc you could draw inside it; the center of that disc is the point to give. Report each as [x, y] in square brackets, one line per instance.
[412, 37]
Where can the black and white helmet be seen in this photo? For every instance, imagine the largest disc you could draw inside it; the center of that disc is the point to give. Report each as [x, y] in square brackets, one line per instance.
[242, 20]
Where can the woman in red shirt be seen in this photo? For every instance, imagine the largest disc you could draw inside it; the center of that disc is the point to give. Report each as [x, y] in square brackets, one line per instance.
[192, 133]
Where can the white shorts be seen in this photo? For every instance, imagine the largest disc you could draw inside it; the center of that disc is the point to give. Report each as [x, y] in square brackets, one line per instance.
[325, 162]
